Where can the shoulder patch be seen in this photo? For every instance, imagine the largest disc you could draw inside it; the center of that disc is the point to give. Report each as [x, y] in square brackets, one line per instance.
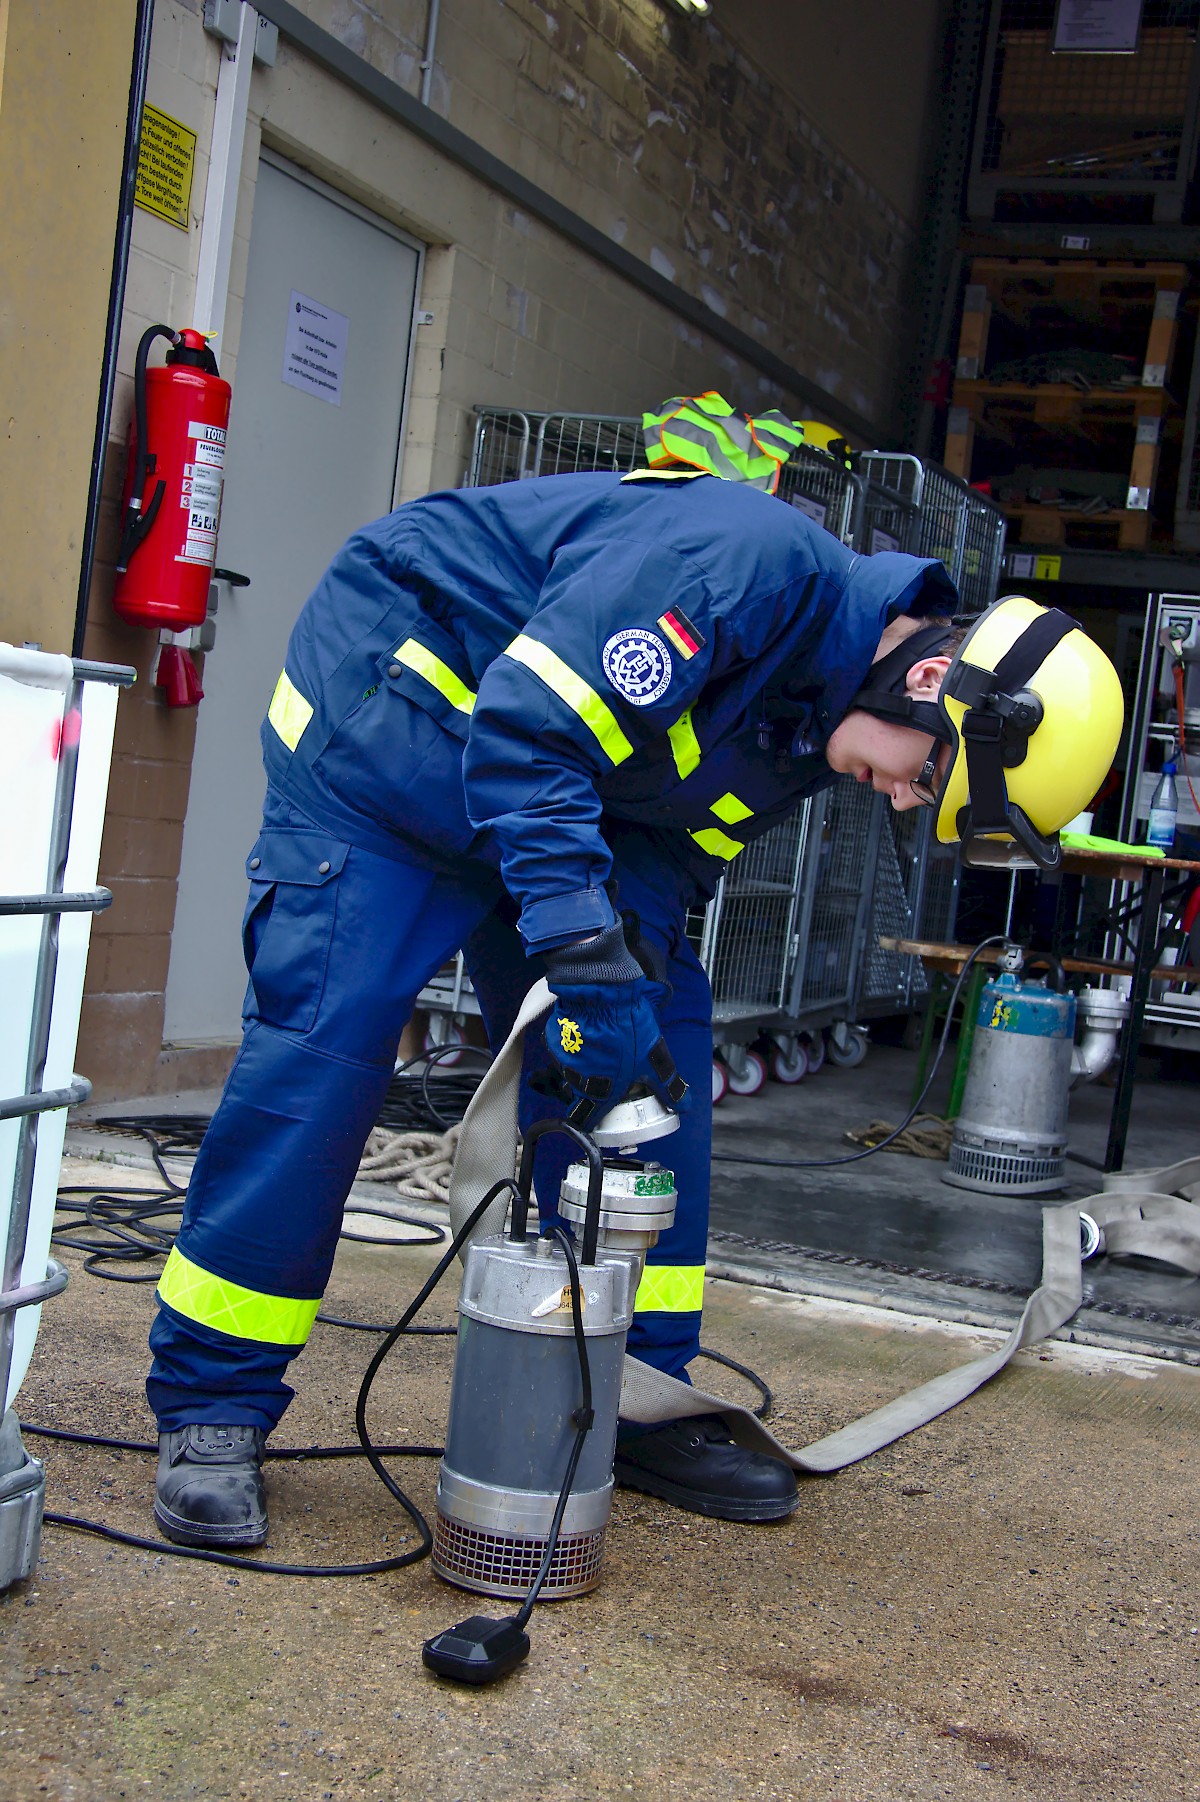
[681, 632]
[638, 664]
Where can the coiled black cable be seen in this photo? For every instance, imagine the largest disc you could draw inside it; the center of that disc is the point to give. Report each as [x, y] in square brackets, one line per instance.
[122, 1230]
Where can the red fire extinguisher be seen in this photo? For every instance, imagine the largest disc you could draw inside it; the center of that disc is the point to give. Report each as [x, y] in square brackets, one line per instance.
[172, 498]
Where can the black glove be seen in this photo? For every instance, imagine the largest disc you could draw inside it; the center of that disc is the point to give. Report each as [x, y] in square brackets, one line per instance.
[603, 1034]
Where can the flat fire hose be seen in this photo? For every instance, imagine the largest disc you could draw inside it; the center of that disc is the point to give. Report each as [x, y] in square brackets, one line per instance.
[1146, 1213]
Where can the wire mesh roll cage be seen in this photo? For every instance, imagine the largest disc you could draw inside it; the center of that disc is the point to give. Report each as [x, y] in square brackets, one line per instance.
[789, 940]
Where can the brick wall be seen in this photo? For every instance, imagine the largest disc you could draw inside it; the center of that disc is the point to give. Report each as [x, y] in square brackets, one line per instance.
[662, 133]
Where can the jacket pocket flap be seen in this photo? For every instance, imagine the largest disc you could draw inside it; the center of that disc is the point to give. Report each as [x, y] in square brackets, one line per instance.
[306, 858]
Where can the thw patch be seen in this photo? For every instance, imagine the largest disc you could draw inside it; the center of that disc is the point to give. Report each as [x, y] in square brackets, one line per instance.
[638, 664]
[570, 1036]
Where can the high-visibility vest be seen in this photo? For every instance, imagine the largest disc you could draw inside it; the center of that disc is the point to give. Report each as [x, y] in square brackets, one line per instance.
[705, 432]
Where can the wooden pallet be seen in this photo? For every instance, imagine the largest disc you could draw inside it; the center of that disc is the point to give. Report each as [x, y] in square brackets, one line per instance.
[1120, 529]
[1124, 421]
[1059, 405]
[1096, 291]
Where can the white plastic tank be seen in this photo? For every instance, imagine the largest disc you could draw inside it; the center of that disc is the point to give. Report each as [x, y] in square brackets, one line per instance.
[44, 710]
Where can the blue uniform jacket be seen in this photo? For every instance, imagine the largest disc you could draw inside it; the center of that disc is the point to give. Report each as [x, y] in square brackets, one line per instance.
[524, 673]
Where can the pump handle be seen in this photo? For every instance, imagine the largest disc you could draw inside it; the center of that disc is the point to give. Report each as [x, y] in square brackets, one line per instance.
[518, 1231]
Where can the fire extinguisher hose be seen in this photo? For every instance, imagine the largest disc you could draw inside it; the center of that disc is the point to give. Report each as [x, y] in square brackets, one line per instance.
[137, 523]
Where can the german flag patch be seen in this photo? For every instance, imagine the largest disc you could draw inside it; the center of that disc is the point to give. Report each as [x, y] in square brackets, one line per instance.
[682, 633]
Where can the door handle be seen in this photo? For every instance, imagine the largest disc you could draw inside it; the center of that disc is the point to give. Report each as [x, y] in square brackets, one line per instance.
[232, 577]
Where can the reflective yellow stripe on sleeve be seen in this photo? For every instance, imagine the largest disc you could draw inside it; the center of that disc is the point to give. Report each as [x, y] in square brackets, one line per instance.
[731, 810]
[289, 712]
[563, 681]
[670, 1289]
[439, 675]
[685, 746]
[717, 843]
[229, 1308]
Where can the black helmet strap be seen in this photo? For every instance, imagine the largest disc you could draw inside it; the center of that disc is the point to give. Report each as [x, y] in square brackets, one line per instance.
[884, 690]
[1001, 714]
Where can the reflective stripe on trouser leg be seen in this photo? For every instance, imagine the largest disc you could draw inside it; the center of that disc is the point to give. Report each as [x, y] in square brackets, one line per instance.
[264, 1205]
[262, 1219]
[666, 1321]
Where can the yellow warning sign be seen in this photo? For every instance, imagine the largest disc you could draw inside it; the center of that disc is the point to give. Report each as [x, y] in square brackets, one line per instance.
[166, 160]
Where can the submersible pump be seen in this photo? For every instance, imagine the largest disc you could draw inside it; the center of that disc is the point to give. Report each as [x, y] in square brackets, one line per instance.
[525, 1485]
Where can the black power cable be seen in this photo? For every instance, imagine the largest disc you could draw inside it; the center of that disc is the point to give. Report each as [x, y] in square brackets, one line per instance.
[366, 1448]
[125, 1220]
[121, 1227]
[853, 1157]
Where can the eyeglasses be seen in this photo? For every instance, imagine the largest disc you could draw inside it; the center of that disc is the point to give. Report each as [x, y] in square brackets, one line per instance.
[926, 786]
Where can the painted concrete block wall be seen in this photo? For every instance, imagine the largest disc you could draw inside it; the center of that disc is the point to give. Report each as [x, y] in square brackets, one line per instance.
[677, 146]
[672, 139]
[121, 1022]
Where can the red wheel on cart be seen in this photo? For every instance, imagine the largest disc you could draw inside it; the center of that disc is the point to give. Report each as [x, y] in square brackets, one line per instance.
[720, 1081]
[748, 1074]
[444, 1032]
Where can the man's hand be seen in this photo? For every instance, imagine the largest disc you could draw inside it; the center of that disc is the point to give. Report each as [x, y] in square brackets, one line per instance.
[603, 1033]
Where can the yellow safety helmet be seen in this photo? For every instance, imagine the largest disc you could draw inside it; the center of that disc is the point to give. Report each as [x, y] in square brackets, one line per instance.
[825, 438]
[1032, 711]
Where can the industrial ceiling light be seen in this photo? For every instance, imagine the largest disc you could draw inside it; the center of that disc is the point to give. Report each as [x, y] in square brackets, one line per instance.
[691, 6]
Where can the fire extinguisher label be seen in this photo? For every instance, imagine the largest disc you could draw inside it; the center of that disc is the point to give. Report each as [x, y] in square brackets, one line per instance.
[200, 493]
[201, 488]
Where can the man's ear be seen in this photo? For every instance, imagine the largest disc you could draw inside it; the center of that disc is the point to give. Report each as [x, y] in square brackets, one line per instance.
[925, 678]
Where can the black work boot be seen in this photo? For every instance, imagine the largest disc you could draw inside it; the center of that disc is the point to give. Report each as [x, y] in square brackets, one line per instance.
[697, 1466]
[210, 1486]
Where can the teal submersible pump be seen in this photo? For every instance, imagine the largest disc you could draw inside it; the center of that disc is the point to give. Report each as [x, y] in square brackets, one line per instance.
[525, 1485]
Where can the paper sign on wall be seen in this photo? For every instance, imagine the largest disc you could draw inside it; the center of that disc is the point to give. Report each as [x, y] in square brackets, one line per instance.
[1097, 25]
[882, 541]
[314, 348]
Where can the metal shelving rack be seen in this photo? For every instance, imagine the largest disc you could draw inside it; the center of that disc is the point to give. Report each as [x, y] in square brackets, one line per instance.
[1088, 137]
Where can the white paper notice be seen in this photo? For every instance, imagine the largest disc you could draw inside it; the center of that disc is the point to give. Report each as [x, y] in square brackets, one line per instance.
[314, 349]
[882, 541]
[1097, 25]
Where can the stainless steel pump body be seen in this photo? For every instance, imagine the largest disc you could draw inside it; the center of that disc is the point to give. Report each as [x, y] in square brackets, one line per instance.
[517, 1386]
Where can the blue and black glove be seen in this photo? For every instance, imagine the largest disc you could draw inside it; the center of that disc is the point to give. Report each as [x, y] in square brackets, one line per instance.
[603, 1033]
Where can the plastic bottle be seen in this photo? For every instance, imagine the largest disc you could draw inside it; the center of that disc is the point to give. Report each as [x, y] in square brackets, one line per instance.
[1163, 810]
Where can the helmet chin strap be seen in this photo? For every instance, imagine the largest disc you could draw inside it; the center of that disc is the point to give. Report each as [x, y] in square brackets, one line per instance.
[884, 692]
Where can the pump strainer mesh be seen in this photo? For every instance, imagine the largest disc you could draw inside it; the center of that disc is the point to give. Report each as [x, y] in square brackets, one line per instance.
[500, 1564]
[1004, 1172]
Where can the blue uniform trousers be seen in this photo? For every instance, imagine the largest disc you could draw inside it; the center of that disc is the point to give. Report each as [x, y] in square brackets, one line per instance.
[335, 969]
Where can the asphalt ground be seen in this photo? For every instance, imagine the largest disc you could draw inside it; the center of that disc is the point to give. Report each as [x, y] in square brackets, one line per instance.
[1003, 1605]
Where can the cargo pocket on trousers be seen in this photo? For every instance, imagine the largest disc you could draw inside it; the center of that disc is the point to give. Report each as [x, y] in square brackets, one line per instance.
[288, 925]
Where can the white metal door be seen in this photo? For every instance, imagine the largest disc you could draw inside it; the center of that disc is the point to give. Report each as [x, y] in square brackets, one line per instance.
[313, 435]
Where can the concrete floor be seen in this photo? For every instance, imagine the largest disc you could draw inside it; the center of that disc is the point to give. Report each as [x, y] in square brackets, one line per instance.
[888, 1228]
[1004, 1605]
